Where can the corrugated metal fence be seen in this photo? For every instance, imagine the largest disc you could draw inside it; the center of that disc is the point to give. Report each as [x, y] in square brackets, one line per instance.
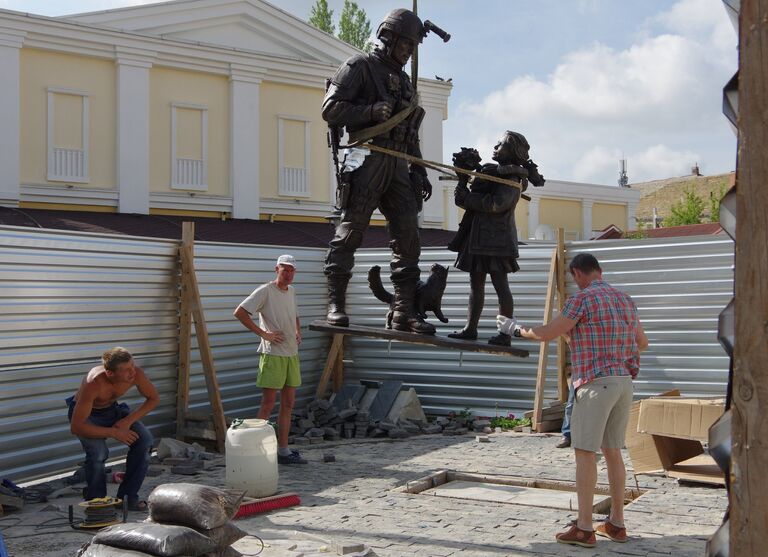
[679, 284]
[66, 296]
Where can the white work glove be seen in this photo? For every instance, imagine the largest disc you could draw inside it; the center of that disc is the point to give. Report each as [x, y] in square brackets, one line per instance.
[508, 325]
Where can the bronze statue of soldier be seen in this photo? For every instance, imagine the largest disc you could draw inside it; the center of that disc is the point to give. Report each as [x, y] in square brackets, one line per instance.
[486, 241]
[372, 92]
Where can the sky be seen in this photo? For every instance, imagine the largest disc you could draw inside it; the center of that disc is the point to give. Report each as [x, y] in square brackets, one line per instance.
[588, 82]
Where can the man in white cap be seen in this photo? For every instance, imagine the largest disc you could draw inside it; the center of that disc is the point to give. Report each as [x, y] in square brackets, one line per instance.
[280, 332]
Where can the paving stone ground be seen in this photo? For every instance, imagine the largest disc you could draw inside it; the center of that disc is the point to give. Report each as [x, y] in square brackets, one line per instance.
[353, 499]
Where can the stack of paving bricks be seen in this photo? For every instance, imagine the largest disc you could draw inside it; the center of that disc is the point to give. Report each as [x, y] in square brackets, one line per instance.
[368, 410]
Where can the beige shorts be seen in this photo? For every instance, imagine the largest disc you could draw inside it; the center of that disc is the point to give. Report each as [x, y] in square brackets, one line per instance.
[600, 413]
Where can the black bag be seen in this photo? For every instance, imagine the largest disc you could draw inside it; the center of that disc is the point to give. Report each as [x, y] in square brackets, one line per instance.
[162, 540]
[198, 506]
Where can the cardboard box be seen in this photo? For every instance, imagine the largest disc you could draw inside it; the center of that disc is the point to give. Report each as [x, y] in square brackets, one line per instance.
[676, 426]
[681, 418]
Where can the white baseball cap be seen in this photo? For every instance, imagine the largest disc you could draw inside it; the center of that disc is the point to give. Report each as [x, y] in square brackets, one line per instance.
[287, 260]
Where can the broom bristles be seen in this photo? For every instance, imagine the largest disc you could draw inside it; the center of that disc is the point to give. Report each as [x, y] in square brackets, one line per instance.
[267, 504]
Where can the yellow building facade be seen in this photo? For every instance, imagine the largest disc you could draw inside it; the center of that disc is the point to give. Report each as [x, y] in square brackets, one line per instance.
[163, 109]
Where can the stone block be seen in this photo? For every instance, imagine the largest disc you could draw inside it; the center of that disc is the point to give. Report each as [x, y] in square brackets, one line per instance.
[398, 433]
[345, 547]
[481, 424]
[301, 441]
[482, 439]
[431, 429]
[347, 413]
[329, 457]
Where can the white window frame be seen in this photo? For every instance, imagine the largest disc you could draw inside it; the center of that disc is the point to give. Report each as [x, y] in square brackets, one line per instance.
[197, 167]
[293, 182]
[78, 158]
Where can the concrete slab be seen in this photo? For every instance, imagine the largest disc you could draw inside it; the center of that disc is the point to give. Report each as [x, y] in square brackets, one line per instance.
[514, 495]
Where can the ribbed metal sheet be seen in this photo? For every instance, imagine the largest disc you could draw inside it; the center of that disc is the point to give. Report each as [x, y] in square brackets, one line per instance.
[65, 297]
[227, 273]
[679, 284]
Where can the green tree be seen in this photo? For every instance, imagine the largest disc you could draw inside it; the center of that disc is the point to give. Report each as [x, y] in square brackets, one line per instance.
[714, 203]
[321, 17]
[355, 27]
[689, 210]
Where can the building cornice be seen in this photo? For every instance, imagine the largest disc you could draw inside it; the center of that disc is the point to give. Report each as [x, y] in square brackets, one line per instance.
[593, 193]
[12, 37]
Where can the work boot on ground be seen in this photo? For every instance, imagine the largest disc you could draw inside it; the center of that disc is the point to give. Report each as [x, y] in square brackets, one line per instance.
[564, 443]
[293, 458]
[608, 530]
[576, 536]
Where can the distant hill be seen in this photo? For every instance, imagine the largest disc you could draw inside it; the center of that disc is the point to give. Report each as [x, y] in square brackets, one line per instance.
[662, 194]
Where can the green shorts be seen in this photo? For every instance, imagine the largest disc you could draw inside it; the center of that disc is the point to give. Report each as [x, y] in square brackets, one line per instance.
[276, 372]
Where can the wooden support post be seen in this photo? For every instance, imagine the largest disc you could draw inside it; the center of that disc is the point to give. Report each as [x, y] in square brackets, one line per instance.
[334, 355]
[206, 356]
[185, 331]
[541, 372]
[338, 369]
[562, 383]
[749, 458]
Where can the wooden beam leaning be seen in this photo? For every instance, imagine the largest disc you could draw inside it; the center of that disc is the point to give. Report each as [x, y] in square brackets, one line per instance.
[562, 349]
[206, 356]
[330, 364]
[185, 331]
[541, 372]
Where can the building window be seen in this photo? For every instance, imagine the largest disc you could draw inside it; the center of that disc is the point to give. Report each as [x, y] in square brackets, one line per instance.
[189, 147]
[67, 141]
[293, 150]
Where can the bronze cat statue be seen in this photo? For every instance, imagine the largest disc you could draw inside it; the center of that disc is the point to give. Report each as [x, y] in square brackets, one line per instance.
[429, 294]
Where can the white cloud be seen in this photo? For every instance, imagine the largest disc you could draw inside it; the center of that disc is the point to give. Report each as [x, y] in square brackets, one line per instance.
[656, 101]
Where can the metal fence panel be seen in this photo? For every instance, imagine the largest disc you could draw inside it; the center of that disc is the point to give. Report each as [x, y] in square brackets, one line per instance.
[67, 296]
[679, 284]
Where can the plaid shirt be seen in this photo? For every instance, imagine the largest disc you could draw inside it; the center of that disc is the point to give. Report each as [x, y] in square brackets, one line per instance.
[603, 342]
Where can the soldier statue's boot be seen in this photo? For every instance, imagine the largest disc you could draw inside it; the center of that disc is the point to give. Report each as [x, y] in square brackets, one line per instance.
[337, 294]
[404, 316]
[501, 339]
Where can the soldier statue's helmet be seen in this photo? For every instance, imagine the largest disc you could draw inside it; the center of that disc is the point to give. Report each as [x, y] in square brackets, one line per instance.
[402, 23]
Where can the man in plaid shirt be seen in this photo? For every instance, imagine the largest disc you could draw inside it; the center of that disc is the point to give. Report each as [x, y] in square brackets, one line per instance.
[606, 341]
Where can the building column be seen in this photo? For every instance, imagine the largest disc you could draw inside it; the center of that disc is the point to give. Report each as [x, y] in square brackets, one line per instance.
[586, 219]
[244, 165]
[133, 147]
[434, 101]
[632, 216]
[10, 126]
[533, 216]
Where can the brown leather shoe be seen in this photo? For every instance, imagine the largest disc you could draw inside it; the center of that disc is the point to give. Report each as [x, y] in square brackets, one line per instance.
[576, 536]
[564, 443]
[608, 530]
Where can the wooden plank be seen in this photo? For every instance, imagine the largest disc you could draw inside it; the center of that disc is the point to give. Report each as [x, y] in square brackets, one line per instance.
[749, 458]
[330, 363]
[185, 330]
[433, 340]
[338, 368]
[541, 371]
[206, 356]
[562, 383]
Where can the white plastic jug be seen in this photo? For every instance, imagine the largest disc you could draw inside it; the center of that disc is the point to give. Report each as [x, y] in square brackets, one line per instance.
[251, 457]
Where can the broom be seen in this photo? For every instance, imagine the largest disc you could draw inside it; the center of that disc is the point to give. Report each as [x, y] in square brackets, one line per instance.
[251, 506]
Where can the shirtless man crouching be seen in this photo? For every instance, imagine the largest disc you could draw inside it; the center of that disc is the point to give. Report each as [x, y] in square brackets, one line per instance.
[95, 416]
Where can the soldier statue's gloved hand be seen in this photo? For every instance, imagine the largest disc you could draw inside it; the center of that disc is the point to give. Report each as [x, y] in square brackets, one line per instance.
[381, 111]
[426, 188]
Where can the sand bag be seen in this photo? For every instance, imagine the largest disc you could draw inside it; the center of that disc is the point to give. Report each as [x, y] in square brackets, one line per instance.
[162, 540]
[98, 550]
[198, 506]
[224, 535]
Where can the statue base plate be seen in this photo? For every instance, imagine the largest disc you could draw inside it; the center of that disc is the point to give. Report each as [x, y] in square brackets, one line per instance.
[415, 338]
